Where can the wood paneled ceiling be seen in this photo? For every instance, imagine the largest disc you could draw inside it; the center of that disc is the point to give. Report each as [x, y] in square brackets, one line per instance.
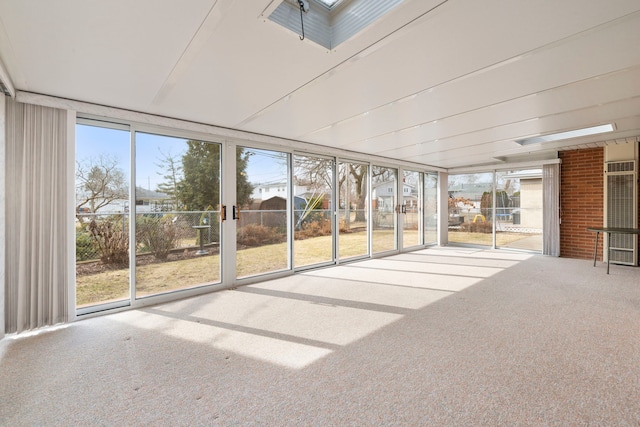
[444, 83]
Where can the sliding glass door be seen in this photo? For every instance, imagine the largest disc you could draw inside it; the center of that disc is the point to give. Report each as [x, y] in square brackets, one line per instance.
[155, 210]
[430, 218]
[312, 210]
[471, 209]
[411, 208]
[519, 209]
[261, 211]
[102, 215]
[384, 208]
[353, 210]
[508, 203]
[177, 204]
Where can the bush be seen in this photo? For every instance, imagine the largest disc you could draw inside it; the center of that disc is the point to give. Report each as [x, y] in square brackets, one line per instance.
[111, 240]
[253, 235]
[157, 235]
[321, 227]
[477, 227]
[85, 246]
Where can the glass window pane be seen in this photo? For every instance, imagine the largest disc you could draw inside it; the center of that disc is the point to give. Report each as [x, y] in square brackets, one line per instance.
[353, 210]
[430, 208]
[328, 3]
[102, 215]
[177, 201]
[411, 201]
[471, 209]
[383, 197]
[313, 225]
[262, 231]
[519, 209]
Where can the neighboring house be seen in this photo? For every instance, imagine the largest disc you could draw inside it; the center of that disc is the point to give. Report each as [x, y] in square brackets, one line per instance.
[267, 190]
[113, 207]
[529, 213]
[522, 207]
[152, 201]
[146, 201]
[471, 191]
[384, 195]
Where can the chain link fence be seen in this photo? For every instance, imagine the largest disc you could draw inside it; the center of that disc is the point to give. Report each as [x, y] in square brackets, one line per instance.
[105, 236]
[98, 235]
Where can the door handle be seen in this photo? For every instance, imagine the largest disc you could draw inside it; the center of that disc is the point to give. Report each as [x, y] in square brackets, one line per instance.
[236, 212]
[223, 213]
[404, 209]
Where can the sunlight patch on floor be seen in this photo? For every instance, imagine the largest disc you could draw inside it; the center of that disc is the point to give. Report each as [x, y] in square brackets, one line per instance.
[354, 291]
[393, 264]
[297, 320]
[442, 282]
[455, 260]
[280, 352]
[310, 320]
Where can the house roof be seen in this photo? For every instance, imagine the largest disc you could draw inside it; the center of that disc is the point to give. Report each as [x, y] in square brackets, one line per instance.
[144, 194]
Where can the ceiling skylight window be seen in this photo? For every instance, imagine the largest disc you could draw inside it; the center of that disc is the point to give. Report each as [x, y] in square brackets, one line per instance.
[329, 22]
[328, 3]
[594, 130]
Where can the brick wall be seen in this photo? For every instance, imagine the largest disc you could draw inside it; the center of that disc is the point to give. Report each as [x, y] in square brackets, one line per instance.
[581, 201]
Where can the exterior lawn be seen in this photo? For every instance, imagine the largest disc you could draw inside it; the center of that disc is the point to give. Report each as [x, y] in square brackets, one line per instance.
[158, 277]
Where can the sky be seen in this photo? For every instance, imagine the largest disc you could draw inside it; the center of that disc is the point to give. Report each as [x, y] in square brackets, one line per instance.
[93, 142]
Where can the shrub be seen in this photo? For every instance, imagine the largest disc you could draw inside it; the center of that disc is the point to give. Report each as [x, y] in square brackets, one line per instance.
[258, 235]
[85, 246]
[157, 235]
[477, 227]
[320, 227]
[112, 241]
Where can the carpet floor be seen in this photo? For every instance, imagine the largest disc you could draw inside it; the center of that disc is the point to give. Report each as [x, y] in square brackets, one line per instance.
[437, 337]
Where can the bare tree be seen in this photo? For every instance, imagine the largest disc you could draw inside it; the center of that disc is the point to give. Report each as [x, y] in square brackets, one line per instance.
[358, 173]
[316, 176]
[99, 182]
[313, 173]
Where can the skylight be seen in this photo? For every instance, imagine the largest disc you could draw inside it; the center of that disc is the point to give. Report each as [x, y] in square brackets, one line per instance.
[330, 22]
[594, 130]
[328, 3]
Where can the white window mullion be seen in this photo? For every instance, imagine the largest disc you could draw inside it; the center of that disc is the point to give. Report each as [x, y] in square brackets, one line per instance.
[228, 199]
[132, 217]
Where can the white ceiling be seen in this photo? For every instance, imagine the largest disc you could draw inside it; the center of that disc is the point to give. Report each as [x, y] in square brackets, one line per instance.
[444, 83]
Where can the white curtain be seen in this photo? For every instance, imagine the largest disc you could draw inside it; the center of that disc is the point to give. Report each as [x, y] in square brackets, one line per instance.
[36, 197]
[551, 210]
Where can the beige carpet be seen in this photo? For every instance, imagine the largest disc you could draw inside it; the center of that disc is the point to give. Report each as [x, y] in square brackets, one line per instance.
[444, 336]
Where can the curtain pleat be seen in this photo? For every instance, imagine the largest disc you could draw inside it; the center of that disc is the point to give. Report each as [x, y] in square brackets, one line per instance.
[551, 209]
[36, 244]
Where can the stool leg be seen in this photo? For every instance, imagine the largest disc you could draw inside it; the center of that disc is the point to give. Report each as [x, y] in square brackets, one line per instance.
[608, 251]
[595, 250]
